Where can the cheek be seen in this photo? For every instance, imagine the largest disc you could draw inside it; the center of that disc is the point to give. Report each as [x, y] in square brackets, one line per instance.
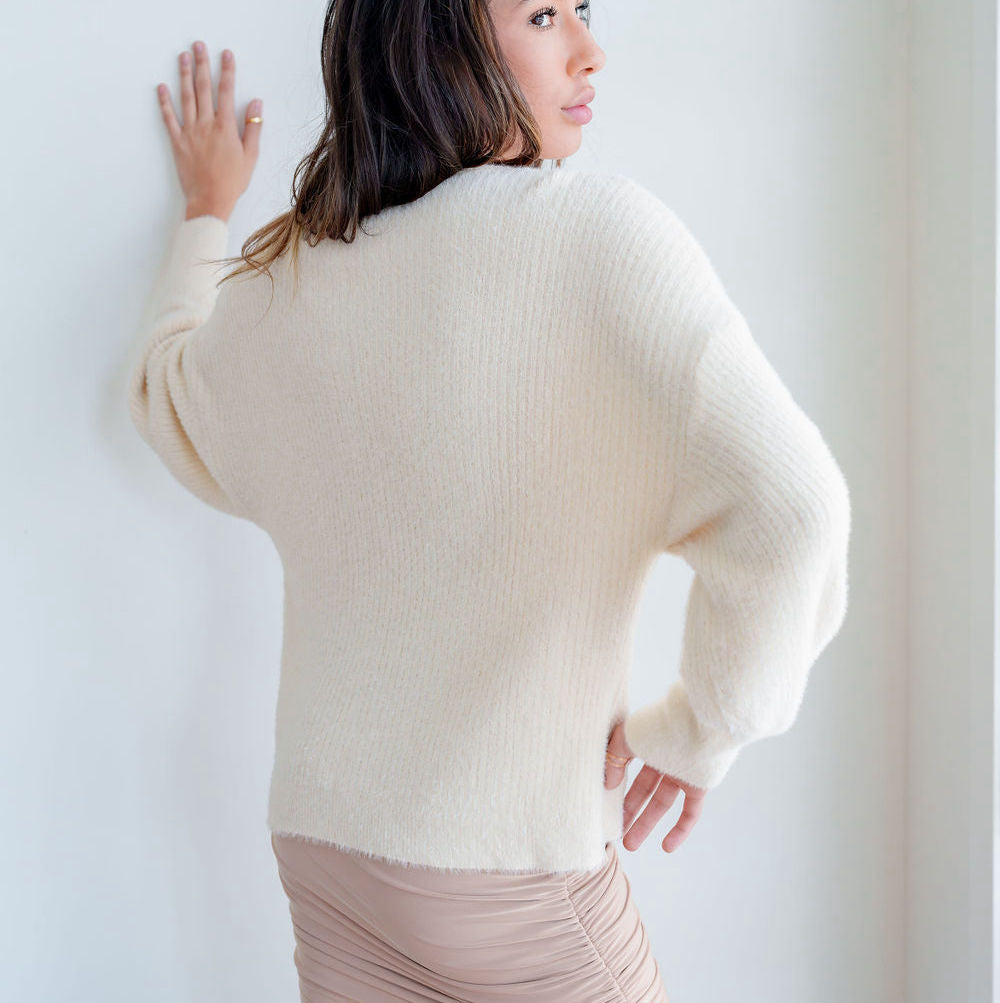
[544, 96]
[539, 81]
[529, 79]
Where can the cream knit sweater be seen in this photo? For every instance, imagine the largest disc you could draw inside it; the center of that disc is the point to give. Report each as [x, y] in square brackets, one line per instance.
[469, 434]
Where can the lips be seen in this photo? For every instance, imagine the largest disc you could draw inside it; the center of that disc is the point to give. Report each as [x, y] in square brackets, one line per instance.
[584, 97]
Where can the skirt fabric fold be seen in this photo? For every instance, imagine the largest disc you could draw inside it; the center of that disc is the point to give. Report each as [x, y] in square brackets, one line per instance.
[372, 931]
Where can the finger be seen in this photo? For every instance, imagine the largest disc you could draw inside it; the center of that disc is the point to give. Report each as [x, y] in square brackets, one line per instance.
[614, 772]
[616, 758]
[167, 111]
[189, 106]
[643, 786]
[659, 804]
[684, 824]
[251, 130]
[203, 82]
[227, 77]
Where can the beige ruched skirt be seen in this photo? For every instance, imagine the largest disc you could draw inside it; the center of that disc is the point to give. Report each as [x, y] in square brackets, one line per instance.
[371, 931]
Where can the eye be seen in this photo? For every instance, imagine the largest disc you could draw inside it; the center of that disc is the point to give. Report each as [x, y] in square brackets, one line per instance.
[551, 12]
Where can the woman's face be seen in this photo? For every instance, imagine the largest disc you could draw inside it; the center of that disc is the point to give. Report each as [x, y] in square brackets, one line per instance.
[551, 52]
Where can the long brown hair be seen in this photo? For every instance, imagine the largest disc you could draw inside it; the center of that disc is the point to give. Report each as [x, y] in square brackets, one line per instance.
[415, 91]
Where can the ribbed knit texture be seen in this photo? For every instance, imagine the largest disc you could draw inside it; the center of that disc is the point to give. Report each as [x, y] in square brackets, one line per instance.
[469, 435]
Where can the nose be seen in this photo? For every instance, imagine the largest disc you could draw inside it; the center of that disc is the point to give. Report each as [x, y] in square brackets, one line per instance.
[597, 57]
[589, 57]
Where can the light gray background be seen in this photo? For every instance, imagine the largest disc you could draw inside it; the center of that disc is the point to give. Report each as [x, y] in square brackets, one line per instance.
[836, 160]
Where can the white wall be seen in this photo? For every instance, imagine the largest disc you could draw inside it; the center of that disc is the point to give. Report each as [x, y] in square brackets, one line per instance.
[143, 629]
[952, 784]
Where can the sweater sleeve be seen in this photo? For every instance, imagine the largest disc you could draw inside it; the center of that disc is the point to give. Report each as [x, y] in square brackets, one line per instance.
[758, 507]
[167, 391]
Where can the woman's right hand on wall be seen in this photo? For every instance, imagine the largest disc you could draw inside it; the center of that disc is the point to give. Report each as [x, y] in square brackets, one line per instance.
[214, 162]
[660, 789]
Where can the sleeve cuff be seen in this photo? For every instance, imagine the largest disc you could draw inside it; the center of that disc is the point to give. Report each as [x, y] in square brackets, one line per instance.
[667, 736]
[197, 244]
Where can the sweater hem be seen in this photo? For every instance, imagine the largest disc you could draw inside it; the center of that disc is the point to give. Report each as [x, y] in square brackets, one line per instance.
[397, 862]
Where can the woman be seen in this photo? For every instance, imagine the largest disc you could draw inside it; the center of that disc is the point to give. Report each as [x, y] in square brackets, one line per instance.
[470, 425]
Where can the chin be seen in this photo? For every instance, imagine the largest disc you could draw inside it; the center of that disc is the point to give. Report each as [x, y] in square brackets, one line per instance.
[564, 147]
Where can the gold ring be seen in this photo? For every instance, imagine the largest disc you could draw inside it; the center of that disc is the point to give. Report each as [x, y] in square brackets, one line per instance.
[256, 118]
